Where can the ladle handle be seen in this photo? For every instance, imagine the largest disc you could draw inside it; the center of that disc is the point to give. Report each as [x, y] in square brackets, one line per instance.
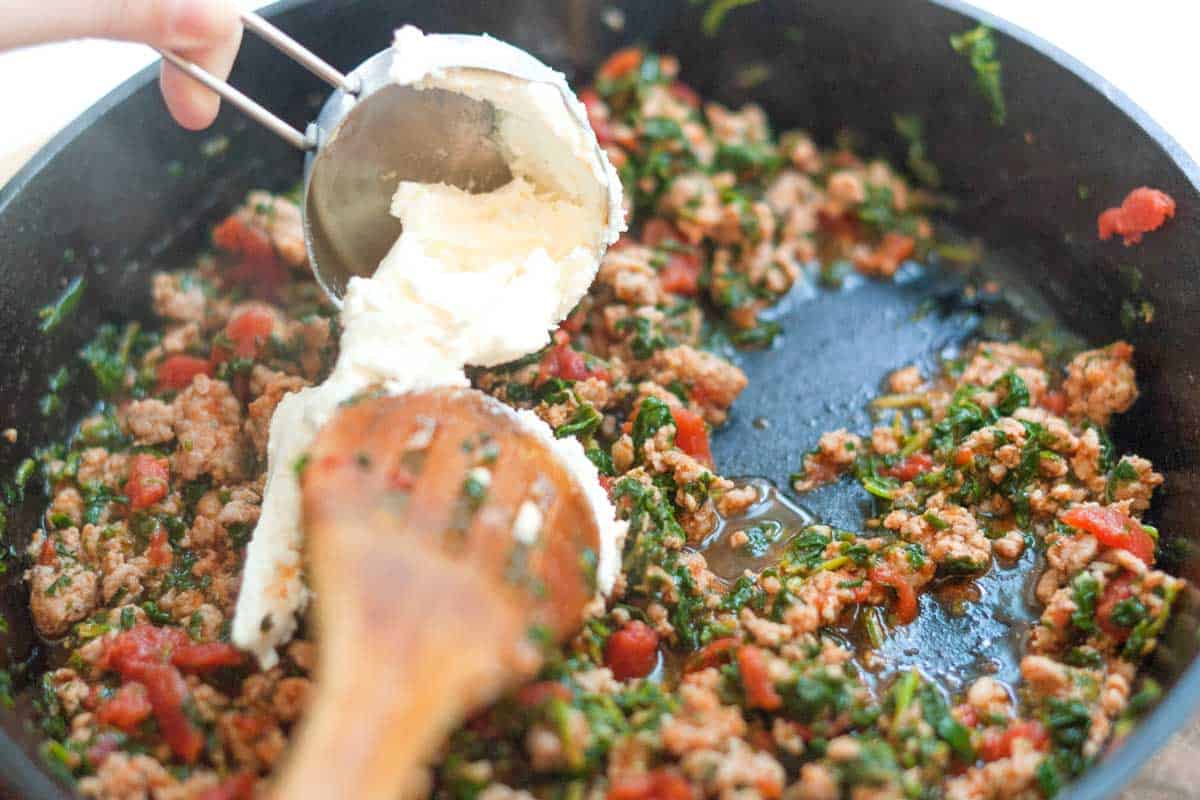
[250, 107]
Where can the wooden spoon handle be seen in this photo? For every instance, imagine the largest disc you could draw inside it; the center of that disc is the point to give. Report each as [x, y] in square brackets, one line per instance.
[398, 675]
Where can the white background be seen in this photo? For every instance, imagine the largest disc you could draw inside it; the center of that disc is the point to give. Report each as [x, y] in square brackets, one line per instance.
[1148, 49]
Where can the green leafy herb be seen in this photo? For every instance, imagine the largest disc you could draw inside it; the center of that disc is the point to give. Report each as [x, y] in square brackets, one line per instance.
[715, 13]
[979, 46]
[56, 313]
[583, 423]
[910, 127]
[652, 416]
[1085, 590]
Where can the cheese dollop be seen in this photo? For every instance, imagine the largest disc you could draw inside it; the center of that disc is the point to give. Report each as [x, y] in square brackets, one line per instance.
[473, 280]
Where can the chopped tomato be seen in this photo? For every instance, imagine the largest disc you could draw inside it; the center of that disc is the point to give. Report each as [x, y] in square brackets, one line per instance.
[691, 435]
[1115, 591]
[238, 787]
[760, 691]
[127, 709]
[1113, 528]
[891, 252]
[141, 655]
[564, 361]
[249, 331]
[46, 556]
[206, 657]
[621, 63]
[597, 114]
[681, 275]
[176, 372]
[1143, 210]
[911, 467]
[167, 693]
[148, 481]
[661, 784]
[159, 552]
[714, 653]
[259, 267]
[535, 694]
[1054, 401]
[684, 93]
[996, 746]
[658, 230]
[962, 456]
[906, 598]
[632, 652]
[250, 242]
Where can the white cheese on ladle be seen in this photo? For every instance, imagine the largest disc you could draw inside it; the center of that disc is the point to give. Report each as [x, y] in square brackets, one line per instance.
[475, 279]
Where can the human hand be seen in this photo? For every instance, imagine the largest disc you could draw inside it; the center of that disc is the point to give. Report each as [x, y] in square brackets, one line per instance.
[206, 32]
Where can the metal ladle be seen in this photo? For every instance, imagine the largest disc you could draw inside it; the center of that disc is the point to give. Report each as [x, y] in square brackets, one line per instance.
[371, 134]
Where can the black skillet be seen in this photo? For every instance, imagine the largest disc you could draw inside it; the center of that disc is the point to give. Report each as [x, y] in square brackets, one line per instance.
[123, 191]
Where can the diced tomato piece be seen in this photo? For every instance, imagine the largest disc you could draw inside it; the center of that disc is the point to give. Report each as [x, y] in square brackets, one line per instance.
[684, 93]
[691, 435]
[906, 598]
[1113, 528]
[661, 784]
[205, 657]
[159, 552]
[716, 652]
[621, 63]
[996, 746]
[1143, 210]
[597, 114]
[1117, 590]
[46, 556]
[632, 652]
[238, 237]
[658, 230]
[891, 252]
[844, 227]
[127, 709]
[250, 330]
[966, 714]
[140, 643]
[681, 275]
[238, 787]
[910, 467]
[176, 372]
[1054, 401]
[760, 691]
[149, 480]
[564, 361]
[535, 694]
[167, 692]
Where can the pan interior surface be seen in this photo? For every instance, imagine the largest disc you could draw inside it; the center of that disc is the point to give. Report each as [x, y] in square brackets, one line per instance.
[122, 193]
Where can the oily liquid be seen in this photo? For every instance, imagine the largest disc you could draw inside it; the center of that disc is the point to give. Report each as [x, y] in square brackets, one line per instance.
[770, 523]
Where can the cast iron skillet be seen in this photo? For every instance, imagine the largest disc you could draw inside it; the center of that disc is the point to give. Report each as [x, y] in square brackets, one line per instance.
[123, 191]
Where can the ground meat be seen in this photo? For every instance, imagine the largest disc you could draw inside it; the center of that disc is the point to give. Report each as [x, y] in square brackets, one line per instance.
[60, 598]
[126, 777]
[175, 302]
[714, 383]
[1101, 383]
[271, 387]
[836, 451]
[150, 421]
[208, 425]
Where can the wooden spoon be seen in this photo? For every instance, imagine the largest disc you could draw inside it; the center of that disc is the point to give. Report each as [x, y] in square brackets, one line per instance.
[425, 598]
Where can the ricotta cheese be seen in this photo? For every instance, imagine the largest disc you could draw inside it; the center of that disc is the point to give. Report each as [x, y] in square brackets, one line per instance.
[475, 279]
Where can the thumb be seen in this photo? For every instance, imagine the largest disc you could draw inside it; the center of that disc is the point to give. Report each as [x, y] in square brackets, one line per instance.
[173, 24]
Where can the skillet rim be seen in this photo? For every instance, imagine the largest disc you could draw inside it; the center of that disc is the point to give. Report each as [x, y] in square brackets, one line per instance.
[26, 778]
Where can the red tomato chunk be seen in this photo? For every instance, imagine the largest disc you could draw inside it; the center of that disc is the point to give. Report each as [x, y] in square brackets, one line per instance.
[127, 709]
[911, 467]
[760, 691]
[148, 482]
[176, 372]
[1143, 210]
[691, 435]
[906, 598]
[1113, 528]
[996, 746]
[249, 331]
[661, 784]
[632, 652]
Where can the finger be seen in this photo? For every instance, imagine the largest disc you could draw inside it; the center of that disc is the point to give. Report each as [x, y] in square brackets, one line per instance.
[191, 104]
[174, 24]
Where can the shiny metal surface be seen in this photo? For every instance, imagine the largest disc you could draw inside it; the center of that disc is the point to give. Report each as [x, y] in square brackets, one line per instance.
[366, 145]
